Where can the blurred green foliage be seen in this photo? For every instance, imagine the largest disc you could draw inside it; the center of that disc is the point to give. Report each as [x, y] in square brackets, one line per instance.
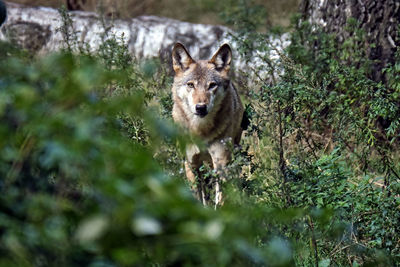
[78, 189]
[82, 150]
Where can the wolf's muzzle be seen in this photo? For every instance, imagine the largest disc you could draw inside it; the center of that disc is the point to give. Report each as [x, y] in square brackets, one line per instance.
[201, 110]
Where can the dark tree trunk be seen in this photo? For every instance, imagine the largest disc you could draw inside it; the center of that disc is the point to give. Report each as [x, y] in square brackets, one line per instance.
[74, 5]
[3, 12]
[379, 19]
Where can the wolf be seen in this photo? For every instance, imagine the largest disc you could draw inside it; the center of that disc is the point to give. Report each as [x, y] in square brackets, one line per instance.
[208, 106]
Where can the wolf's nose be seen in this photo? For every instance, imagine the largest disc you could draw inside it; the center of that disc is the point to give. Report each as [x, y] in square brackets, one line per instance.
[201, 110]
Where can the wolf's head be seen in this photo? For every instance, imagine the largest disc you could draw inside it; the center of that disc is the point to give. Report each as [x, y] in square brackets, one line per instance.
[202, 84]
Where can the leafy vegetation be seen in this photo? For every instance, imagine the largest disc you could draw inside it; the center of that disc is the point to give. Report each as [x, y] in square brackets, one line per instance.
[91, 164]
[325, 137]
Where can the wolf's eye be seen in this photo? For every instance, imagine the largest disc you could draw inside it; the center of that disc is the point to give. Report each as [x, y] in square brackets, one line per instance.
[212, 86]
[190, 85]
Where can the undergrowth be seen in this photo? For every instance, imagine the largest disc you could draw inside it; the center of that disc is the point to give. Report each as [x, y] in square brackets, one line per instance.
[324, 137]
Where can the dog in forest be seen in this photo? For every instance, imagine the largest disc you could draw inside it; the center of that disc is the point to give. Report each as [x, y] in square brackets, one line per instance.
[207, 104]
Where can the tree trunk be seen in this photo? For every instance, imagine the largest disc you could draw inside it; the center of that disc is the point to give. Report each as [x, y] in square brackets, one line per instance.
[379, 19]
[3, 12]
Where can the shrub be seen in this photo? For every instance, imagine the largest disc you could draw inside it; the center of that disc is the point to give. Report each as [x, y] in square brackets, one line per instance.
[323, 137]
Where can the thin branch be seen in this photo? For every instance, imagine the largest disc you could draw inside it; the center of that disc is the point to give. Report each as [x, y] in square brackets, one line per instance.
[314, 240]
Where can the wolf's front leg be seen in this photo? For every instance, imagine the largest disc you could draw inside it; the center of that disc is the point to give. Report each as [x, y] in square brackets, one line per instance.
[192, 166]
[196, 183]
[192, 163]
[221, 156]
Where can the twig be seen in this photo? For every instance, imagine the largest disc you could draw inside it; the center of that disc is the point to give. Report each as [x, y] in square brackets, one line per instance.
[313, 239]
[282, 163]
[17, 164]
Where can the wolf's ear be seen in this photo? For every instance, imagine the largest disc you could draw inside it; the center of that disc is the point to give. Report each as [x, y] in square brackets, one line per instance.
[180, 58]
[222, 58]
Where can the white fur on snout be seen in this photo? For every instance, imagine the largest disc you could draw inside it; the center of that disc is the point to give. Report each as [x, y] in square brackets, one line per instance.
[192, 105]
[198, 123]
[189, 106]
[211, 102]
